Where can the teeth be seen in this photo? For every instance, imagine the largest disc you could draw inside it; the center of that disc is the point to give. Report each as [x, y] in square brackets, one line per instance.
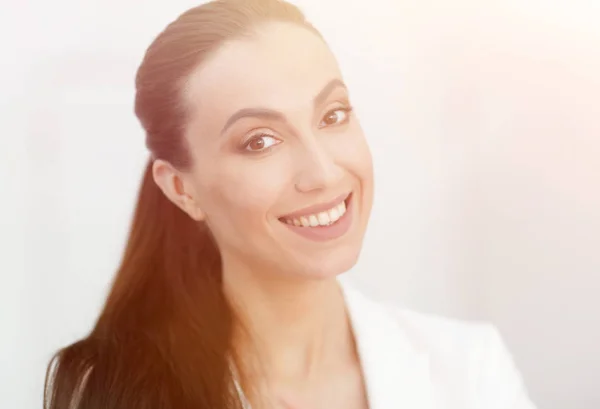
[334, 214]
[323, 218]
[320, 219]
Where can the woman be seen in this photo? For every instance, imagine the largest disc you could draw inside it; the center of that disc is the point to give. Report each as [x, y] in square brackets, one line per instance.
[256, 197]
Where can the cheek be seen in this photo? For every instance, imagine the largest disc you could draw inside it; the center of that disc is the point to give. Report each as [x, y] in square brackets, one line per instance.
[365, 160]
[355, 153]
[245, 193]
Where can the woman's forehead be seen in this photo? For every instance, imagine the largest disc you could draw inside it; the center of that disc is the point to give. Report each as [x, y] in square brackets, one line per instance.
[282, 65]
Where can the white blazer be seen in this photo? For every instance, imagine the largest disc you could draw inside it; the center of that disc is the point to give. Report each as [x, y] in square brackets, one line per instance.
[413, 360]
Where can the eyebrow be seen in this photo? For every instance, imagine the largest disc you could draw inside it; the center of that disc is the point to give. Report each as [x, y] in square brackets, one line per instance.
[272, 114]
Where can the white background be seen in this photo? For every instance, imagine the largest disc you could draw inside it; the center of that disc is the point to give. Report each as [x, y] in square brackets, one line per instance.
[484, 122]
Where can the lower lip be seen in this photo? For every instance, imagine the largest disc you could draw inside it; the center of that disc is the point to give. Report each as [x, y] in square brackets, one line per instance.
[325, 233]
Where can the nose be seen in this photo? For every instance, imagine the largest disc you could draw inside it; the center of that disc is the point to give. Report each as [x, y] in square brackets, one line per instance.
[318, 169]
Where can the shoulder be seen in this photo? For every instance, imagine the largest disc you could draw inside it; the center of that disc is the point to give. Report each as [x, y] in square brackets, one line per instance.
[469, 363]
[425, 332]
[445, 335]
[472, 354]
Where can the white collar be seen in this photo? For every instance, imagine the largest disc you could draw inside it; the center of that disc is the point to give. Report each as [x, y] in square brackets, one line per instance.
[396, 374]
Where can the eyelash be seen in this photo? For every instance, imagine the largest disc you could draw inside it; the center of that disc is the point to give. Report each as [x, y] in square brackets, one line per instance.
[347, 110]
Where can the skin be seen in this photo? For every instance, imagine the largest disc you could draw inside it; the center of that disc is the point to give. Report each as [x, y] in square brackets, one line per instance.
[284, 284]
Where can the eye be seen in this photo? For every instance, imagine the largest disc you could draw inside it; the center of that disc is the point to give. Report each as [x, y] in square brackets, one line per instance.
[260, 143]
[336, 116]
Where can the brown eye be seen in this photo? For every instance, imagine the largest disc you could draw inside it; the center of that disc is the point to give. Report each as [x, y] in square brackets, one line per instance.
[256, 144]
[336, 116]
[260, 143]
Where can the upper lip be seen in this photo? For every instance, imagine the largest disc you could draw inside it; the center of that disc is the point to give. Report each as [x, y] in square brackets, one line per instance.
[318, 208]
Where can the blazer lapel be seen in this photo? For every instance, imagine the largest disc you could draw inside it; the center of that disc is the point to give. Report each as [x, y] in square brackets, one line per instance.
[395, 373]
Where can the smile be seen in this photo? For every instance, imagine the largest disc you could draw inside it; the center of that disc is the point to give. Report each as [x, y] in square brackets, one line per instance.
[324, 218]
[323, 222]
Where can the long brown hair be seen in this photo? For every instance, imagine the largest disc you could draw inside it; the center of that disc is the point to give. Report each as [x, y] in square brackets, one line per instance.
[163, 338]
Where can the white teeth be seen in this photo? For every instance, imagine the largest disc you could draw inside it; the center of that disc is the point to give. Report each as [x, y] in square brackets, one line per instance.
[319, 219]
[323, 218]
[334, 214]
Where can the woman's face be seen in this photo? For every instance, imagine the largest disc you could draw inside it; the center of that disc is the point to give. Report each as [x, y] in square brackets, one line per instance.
[271, 135]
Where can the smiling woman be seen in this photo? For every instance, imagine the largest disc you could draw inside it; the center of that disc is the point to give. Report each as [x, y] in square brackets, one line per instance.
[255, 199]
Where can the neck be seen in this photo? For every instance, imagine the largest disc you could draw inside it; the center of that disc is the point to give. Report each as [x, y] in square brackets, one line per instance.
[293, 327]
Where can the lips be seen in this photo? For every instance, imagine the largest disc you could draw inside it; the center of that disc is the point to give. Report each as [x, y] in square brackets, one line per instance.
[332, 232]
[322, 207]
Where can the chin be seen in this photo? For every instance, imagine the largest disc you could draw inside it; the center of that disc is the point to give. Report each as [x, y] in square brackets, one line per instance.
[329, 266]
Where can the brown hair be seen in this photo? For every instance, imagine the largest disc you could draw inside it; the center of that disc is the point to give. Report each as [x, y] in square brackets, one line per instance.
[164, 335]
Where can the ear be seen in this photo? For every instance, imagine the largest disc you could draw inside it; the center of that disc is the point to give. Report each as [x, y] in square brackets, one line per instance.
[177, 188]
